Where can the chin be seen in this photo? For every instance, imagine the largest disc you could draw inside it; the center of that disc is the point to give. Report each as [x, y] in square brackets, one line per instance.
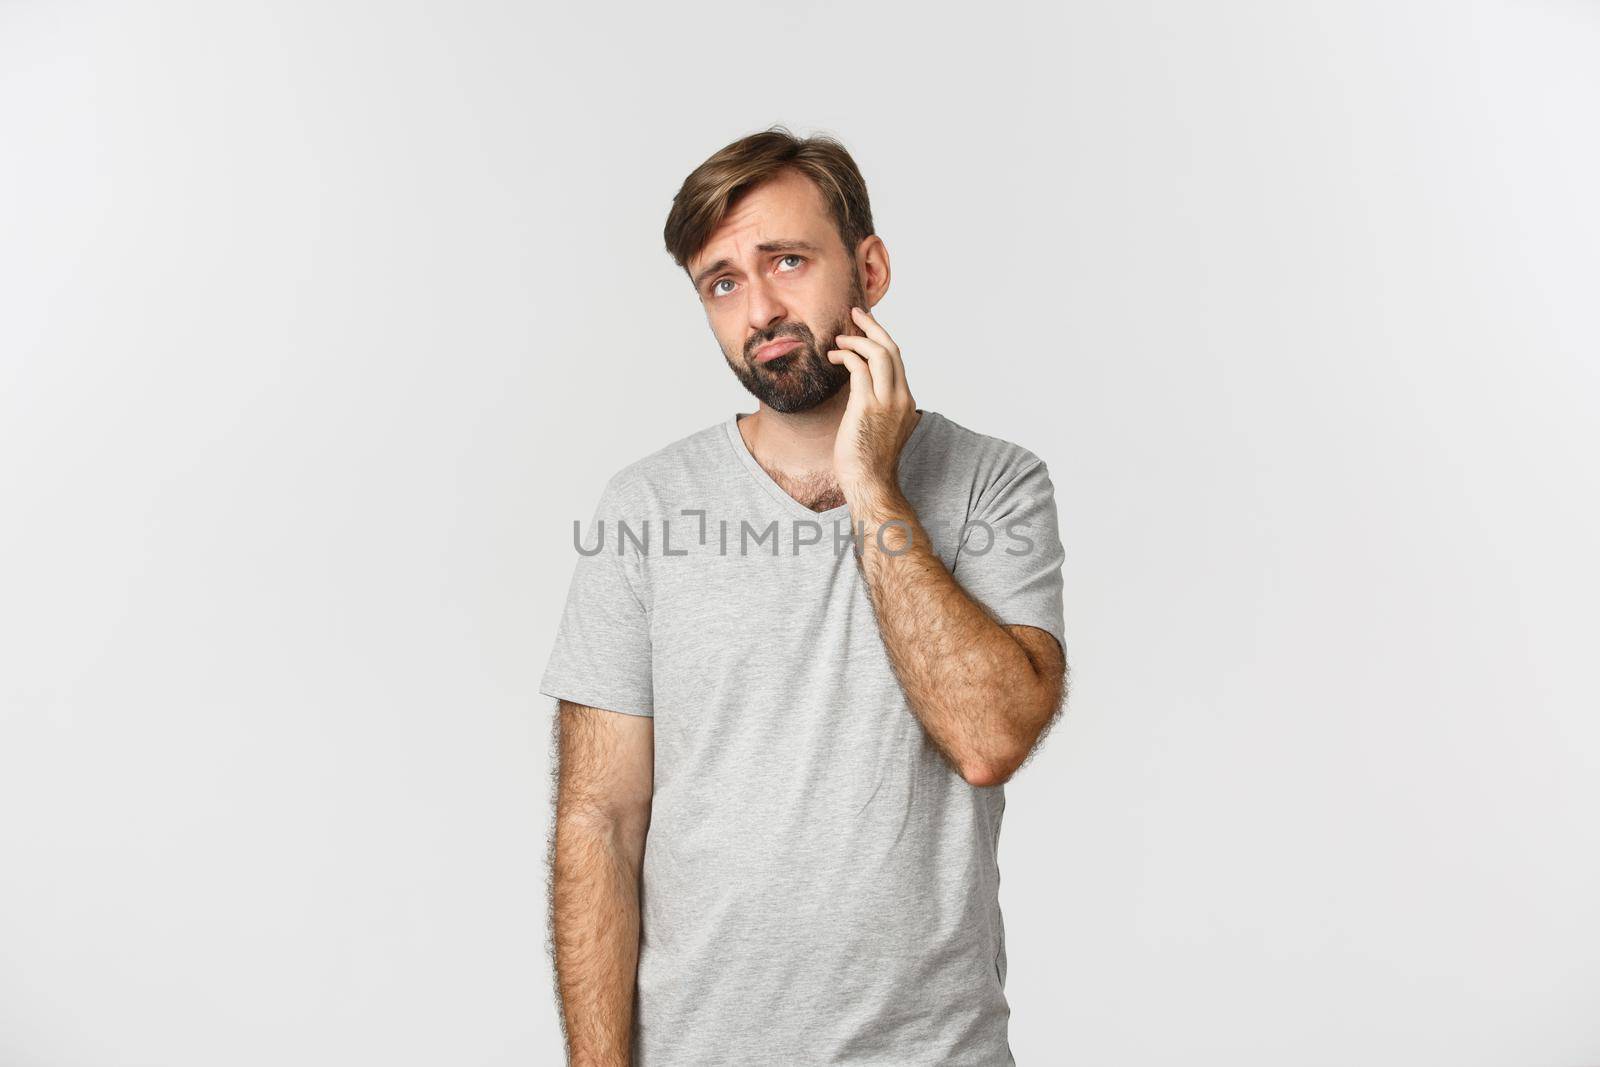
[795, 405]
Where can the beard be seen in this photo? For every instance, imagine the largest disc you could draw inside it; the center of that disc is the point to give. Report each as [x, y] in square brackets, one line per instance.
[803, 377]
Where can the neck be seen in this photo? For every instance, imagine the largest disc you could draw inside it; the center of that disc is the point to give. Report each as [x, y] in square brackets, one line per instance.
[800, 442]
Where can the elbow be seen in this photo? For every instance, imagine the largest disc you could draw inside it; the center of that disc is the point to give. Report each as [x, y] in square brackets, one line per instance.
[983, 775]
[621, 828]
[985, 772]
[996, 759]
[1005, 741]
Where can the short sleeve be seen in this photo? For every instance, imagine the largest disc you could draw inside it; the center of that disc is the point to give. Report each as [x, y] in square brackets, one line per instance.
[1010, 555]
[601, 656]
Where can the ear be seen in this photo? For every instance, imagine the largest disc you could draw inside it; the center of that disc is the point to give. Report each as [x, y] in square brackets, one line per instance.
[872, 260]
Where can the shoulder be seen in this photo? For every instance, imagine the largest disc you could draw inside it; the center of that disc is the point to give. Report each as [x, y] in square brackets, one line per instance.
[988, 457]
[672, 466]
[966, 474]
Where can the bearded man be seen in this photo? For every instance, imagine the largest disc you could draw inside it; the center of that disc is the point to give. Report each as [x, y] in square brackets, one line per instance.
[780, 771]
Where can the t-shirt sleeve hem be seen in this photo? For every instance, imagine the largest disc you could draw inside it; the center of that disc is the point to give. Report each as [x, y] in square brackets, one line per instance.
[1019, 618]
[596, 697]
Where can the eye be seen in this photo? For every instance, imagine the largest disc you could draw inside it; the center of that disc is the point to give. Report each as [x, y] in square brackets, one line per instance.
[713, 289]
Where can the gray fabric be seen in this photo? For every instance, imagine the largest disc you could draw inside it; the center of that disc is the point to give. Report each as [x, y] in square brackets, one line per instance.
[818, 887]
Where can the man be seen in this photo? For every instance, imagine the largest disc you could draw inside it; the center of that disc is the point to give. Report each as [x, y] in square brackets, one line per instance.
[802, 651]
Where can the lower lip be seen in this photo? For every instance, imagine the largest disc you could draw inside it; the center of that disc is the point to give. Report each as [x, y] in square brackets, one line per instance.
[768, 354]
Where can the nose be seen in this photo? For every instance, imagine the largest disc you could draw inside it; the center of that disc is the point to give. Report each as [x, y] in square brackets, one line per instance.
[765, 309]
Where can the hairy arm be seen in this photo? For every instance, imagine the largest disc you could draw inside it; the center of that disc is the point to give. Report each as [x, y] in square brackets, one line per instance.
[984, 692]
[604, 778]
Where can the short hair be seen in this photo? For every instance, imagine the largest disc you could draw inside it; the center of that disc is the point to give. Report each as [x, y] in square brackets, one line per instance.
[713, 188]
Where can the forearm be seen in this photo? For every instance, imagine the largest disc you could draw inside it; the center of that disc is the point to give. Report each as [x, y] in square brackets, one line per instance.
[595, 918]
[969, 681]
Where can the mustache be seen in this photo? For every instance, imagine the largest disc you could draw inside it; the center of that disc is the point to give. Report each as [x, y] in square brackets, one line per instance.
[800, 333]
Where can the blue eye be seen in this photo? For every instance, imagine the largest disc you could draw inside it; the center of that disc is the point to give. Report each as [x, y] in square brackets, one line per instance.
[714, 291]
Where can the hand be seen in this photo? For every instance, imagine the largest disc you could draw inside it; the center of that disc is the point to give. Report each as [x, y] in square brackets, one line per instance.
[879, 416]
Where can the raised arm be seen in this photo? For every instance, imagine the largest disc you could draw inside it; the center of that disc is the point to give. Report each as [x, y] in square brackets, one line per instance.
[604, 778]
[984, 691]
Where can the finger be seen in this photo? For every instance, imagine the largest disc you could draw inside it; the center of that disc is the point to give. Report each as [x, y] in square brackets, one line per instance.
[861, 386]
[883, 374]
[871, 327]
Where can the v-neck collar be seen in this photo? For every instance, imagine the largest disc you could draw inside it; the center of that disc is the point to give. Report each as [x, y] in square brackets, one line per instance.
[759, 473]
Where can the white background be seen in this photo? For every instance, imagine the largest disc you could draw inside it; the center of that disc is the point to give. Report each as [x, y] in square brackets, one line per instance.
[319, 323]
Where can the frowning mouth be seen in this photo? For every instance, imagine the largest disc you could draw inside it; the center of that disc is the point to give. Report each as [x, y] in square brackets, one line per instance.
[773, 349]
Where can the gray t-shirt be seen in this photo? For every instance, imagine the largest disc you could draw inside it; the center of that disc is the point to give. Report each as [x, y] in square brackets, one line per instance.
[819, 886]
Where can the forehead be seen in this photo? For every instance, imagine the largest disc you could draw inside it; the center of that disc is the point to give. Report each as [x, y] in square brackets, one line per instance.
[788, 206]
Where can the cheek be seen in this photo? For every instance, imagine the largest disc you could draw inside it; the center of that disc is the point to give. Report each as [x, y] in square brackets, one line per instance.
[729, 322]
[714, 319]
[727, 339]
[724, 315]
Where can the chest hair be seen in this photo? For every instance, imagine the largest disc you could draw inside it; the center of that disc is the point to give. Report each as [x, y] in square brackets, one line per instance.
[819, 492]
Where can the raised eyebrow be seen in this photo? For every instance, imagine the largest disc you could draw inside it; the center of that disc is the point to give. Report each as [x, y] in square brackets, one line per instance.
[764, 246]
